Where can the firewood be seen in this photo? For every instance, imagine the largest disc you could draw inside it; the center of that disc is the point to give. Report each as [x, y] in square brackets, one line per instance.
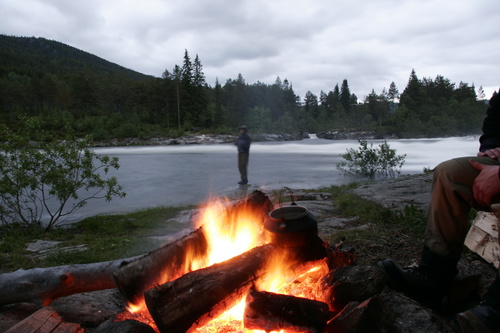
[197, 297]
[43, 285]
[482, 237]
[159, 266]
[274, 312]
[45, 320]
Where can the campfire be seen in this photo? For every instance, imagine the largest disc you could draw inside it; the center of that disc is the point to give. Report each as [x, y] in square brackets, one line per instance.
[249, 267]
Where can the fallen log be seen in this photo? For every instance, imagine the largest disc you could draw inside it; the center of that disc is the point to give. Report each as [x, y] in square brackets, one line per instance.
[172, 260]
[197, 297]
[274, 312]
[43, 285]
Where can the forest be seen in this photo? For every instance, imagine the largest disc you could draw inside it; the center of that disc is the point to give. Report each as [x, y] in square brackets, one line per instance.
[62, 86]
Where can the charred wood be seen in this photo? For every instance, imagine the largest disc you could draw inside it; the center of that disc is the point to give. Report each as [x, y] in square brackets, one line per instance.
[159, 266]
[274, 312]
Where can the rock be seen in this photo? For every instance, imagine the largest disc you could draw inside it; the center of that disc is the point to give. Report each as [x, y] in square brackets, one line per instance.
[90, 309]
[412, 190]
[372, 315]
[347, 284]
[346, 135]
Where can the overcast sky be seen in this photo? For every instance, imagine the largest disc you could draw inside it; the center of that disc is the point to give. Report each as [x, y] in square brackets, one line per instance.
[315, 44]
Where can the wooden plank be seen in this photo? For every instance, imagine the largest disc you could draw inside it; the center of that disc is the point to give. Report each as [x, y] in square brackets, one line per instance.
[482, 237]
[45, 320]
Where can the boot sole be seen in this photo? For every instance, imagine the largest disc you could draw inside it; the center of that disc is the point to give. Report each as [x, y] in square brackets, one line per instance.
[469, 323]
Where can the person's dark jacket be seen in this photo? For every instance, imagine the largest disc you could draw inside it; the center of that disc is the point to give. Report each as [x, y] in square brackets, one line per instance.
[243, 143]
[491, 126]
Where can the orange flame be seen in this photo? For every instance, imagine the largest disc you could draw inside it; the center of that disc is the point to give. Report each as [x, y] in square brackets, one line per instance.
[231, 231]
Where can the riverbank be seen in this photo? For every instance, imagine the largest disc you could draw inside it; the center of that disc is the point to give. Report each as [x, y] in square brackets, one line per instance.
[355, 217]
[197, 138]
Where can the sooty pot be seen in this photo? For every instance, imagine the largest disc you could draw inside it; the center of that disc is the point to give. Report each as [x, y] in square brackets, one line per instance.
[291, 226]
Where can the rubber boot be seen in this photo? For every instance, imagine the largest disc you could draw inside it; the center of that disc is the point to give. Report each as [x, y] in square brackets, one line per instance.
[485, 317]
[428, 283]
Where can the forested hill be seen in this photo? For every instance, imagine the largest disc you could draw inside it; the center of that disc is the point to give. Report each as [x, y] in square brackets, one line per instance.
[39, 55]
[61, 86]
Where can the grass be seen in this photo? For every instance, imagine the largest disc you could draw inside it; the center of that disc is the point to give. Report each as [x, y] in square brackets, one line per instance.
[106, 237]
[381, 233]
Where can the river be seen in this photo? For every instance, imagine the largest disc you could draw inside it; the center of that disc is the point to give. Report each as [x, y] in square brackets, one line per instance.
[156, 176]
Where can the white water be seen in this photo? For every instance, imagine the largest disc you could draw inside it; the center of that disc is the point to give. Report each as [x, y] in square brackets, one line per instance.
[177, 175]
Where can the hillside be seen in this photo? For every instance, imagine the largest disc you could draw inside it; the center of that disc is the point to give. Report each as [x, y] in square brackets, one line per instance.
[23, 55]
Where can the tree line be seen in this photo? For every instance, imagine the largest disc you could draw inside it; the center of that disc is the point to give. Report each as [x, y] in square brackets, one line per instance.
[62, 86]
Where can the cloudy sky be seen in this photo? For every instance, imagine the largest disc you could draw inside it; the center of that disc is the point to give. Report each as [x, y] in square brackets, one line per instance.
[315, 44]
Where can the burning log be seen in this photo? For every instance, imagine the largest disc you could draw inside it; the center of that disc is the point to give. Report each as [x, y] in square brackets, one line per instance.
[170, 261]
[197, 297]
[159, 266]
[273, 312]
[43, 285]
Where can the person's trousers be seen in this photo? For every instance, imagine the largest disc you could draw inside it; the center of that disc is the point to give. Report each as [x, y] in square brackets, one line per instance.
[243, 165]
[451, 202]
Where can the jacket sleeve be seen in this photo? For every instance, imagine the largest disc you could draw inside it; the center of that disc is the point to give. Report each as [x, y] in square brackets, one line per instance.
[491, 126]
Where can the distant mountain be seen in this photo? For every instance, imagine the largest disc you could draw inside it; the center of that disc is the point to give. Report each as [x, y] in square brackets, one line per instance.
[29, 55]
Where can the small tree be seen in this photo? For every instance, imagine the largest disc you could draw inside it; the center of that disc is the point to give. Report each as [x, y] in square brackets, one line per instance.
[372, 162]
[36, 173]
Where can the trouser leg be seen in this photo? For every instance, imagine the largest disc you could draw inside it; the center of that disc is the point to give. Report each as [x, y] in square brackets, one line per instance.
[243, 165]
[451, 201]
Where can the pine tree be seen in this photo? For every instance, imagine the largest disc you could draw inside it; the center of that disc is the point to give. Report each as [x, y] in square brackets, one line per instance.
[345, 96]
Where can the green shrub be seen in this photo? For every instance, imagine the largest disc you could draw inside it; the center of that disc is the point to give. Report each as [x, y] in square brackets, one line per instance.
[372, 162]
[36, 170]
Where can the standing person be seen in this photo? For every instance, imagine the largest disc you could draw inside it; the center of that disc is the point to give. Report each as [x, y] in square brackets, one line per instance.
[458, 185]
[243, 144]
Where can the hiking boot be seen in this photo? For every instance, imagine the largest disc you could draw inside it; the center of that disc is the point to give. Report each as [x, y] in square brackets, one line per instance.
[414, 282]
[428, 283]
[244, 181]
[485, 317]
[481, 319]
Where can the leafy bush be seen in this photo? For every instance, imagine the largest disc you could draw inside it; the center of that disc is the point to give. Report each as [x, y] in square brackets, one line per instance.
[371, 162]
[39, 176]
